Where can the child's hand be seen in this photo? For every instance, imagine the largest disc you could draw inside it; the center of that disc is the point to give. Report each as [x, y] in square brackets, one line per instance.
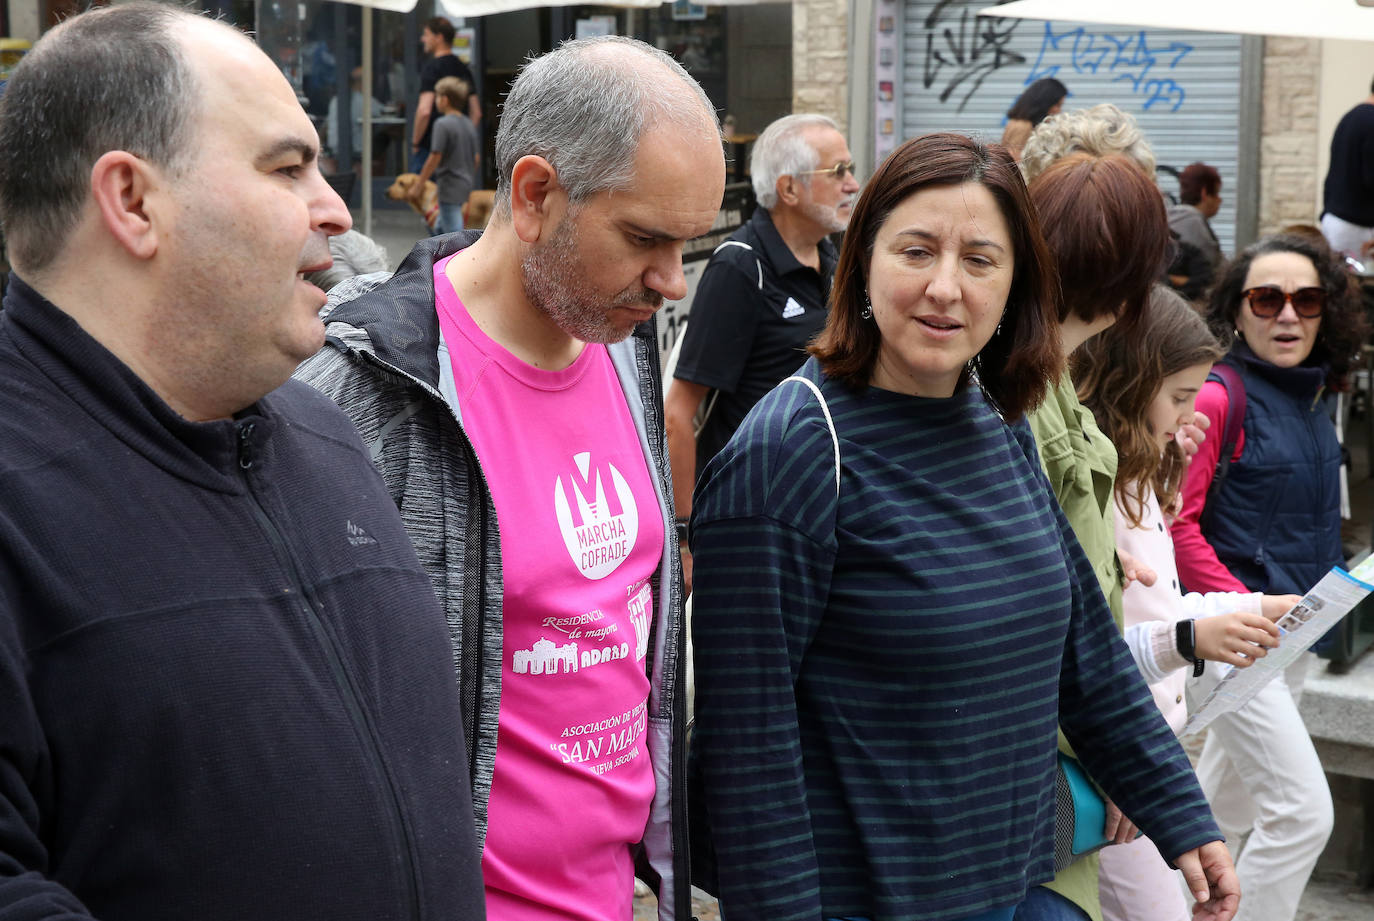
[1236, 639]
[1134, 570]
[1275, 606]
[1192, 434]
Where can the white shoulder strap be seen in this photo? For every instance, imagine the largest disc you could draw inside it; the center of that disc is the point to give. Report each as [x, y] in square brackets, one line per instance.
[830, 423]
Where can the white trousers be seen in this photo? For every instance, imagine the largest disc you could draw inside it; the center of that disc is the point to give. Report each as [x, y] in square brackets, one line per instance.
[1135, 884]
[1263, 778]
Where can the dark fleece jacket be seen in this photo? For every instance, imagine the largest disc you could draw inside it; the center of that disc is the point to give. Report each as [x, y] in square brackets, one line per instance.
[225, 683]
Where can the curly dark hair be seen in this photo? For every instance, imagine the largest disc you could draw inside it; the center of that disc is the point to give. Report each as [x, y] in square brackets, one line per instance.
[1343, 328]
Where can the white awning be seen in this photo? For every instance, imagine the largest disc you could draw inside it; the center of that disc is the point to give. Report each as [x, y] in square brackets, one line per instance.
[1342, 19]
[391, 6]
[460, 8]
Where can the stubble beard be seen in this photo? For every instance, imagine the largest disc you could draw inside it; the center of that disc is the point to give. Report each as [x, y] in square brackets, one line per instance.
[556, 285]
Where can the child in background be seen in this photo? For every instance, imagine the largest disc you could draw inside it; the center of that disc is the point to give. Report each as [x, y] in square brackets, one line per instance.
[1141, 384]
[454, 155]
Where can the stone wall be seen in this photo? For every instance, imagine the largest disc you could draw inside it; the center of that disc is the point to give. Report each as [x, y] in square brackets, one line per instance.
[820, 58]
[1288, 133]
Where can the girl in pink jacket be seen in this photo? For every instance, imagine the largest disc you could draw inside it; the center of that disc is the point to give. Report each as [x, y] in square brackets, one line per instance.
[1141, 385]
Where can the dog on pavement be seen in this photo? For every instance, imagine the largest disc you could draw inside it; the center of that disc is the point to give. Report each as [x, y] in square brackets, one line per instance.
[426, 205]
[477, 211]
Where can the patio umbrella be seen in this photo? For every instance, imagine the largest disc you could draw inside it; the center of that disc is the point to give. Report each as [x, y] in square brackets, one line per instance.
[1343, 19]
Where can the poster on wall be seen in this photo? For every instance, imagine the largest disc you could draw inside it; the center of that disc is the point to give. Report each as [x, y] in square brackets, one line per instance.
[684, 11]
[463, 40]
[886, 38]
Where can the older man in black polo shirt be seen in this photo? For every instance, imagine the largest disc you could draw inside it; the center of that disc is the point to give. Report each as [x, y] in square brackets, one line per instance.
[763, 295]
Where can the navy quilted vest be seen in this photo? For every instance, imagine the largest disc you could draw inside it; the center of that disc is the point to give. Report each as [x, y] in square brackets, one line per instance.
[1276, 522]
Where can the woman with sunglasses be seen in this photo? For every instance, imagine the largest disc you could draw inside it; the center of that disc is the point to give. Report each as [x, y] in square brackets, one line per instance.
[1270, 522]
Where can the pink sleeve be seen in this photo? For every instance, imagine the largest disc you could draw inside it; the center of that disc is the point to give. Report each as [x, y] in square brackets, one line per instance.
[1198, 565]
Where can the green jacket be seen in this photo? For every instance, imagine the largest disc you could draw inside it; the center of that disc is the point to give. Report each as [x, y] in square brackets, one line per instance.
[1081, 465]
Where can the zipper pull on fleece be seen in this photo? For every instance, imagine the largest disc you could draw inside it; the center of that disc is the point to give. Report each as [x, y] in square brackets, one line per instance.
[245, 445]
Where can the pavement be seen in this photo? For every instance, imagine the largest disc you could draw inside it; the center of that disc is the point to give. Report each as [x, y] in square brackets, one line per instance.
[1328, 897]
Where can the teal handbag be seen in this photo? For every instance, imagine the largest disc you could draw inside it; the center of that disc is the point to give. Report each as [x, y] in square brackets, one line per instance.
[1080, 814]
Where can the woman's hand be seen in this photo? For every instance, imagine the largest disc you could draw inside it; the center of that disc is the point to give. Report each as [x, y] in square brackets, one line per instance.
[1275, 606]
[1119, 829]
[1236, 639]
[1211, 878]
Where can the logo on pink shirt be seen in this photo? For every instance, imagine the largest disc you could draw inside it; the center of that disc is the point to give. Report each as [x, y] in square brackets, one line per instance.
[597, 515]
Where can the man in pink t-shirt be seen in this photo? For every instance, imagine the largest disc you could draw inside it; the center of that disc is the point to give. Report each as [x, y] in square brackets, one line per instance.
[507, 385]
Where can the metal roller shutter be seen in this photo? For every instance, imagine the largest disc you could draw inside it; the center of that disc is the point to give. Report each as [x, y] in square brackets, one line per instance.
[961, 73]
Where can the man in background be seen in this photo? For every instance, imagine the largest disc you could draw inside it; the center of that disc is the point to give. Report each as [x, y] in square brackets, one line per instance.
[507, 384]
[762, 297]
[1199, 255]
[1348, 194]
[436, 38]
[334, 126]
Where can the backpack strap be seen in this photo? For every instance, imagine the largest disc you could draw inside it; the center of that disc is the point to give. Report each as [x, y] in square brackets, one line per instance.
[1234, 386]
[829, 422]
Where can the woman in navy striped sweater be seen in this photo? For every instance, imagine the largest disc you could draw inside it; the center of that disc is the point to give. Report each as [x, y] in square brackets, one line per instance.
[889, 624]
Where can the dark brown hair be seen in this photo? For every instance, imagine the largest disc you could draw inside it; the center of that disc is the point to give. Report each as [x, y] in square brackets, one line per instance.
[1036, 100]
[1017, 363]
[1119, 372]
[1196, 179]
[113, 78]
[1343, 327]
[441, 27]
[1104, 221]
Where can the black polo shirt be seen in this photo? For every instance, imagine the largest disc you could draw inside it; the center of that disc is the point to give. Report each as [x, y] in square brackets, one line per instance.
[755, 310]
[431, 72]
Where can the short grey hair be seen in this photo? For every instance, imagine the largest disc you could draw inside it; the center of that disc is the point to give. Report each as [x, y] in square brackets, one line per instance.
[783, 150]
[586, 105]
[354, 254]
[115, 78]
[1101, 130]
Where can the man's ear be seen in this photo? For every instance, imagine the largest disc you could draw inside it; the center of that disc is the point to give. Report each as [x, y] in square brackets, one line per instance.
[786, 187]
[120, 186]
[533, 188]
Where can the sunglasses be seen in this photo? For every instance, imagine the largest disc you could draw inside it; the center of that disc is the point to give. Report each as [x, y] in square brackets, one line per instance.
[1266, 301]
[837, 171]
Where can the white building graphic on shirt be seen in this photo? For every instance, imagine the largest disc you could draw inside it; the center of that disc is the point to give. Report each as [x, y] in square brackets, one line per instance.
[639, 617]
[545, 658]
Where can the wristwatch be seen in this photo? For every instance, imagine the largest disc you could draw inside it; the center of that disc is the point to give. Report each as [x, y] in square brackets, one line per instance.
[1185, 638]
[682, 530]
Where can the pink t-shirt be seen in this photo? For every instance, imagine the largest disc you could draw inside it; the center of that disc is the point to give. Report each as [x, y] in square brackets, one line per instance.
[581, 536]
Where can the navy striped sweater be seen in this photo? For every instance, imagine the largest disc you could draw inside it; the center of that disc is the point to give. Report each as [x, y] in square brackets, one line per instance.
[879, 678]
